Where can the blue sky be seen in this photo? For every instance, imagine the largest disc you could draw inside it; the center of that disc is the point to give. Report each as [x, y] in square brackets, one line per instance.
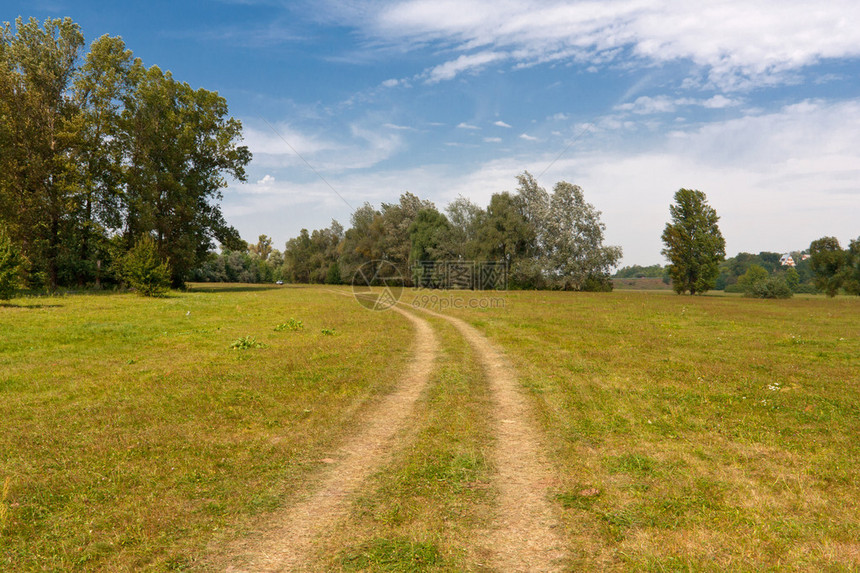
[756, 103]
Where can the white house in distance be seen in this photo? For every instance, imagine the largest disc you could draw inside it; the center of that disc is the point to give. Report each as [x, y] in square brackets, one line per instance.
[786, 260]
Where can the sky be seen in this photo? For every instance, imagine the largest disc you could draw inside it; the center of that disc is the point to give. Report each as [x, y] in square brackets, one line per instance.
[754, 102]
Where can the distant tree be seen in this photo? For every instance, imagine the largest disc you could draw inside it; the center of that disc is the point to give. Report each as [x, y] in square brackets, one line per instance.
[263, 248]
[638, 272]
[144, 270]
[755, 274]
[575, 257]
[425, 235]
[694, 243]
[505, 234]
[395, 221]
[10, 267]
[461, 239]
[827, 260]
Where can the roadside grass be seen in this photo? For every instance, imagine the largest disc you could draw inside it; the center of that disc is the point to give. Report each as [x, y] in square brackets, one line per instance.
[695, 433]
[426, 507]
[132, 434]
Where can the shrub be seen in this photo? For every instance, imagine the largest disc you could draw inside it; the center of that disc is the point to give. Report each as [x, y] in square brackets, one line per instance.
[246, 343]
[144, 270]
[772, 287]
[291, 324]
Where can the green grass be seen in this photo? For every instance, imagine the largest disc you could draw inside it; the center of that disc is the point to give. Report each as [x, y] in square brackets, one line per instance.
[132, 434]
[690, 433]
[696, 433]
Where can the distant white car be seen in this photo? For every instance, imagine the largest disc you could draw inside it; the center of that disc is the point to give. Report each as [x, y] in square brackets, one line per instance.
[279, 282]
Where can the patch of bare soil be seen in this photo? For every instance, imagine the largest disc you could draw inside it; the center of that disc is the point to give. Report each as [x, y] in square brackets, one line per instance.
[287, 542]
[526, 535]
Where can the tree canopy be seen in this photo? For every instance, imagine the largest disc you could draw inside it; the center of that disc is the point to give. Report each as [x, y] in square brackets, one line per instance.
[98, 151]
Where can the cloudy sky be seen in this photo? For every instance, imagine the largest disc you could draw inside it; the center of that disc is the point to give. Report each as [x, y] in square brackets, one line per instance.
[756, 103]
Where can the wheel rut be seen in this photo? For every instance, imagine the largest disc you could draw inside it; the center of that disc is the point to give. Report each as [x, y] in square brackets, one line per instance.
[288, 542]
[526, 535]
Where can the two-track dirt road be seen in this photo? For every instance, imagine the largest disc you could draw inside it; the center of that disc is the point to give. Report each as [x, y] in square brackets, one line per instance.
[525, 534]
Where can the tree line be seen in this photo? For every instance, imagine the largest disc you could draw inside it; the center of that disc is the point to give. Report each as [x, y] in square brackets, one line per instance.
[99, 153]
[544, 239]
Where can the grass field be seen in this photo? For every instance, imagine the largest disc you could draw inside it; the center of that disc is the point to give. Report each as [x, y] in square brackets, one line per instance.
[696, 433]
[705, 433]
[132, 433]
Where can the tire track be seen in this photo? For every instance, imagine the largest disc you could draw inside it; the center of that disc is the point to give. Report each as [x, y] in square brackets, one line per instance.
[289, 543]
[526, 535]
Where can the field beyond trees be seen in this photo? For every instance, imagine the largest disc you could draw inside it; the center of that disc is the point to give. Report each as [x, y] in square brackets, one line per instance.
[704, 433]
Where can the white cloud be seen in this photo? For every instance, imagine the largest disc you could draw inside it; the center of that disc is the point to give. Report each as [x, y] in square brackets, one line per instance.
[465, 125]
[719, 102]
[266, 180]
[528, 137]
[465, 63]
[397, 127]
[501, 124]
[649, 105]
[493, 139]
[359, 148]
[738, 43]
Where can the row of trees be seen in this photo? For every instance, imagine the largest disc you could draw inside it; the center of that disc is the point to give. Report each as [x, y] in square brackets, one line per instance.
[545, 240]
[98, 152]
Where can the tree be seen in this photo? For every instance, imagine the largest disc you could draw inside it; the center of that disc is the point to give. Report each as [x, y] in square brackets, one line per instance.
[754, 275]
[694, 244]
[461, 240]
[425, 234]
[827, 260]
[10, 263]
[103, 85]
[181, 144]
[41, 133]
[575, 257]
[144, 270]
[263, 248]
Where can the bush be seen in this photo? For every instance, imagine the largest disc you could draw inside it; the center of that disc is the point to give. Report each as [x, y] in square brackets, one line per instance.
[772, 287]
[144, 270]
[10, 267]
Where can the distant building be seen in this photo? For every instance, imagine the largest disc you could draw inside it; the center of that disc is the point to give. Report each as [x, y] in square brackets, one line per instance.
[786, 260]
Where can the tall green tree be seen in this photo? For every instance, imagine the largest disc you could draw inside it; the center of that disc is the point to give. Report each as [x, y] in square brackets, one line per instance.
[180, 144]
[39, 138]
[694, 243]
[103, 86]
